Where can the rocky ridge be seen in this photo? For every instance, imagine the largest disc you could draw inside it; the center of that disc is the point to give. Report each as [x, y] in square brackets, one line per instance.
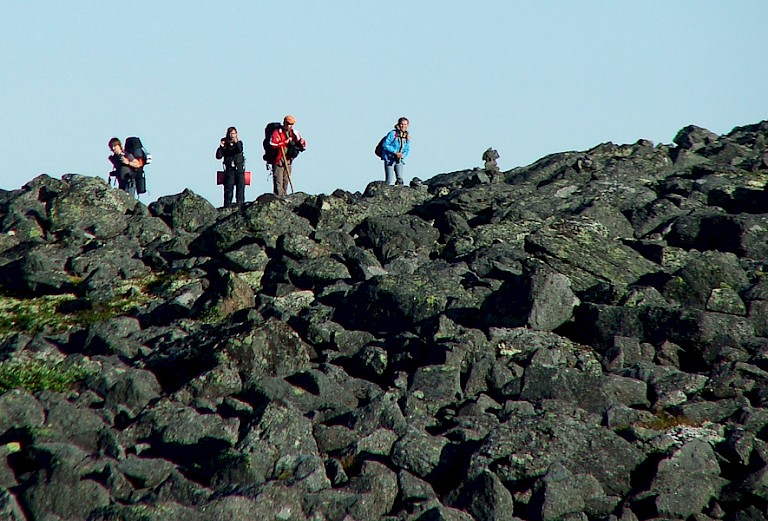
[583, 338]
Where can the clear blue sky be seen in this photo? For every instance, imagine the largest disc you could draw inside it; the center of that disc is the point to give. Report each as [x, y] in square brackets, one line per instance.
[528, 78]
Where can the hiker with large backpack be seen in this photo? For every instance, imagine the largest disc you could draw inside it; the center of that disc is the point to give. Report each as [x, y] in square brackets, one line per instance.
[285, 144]
[230, 151]
[393, 149]
[128, 165]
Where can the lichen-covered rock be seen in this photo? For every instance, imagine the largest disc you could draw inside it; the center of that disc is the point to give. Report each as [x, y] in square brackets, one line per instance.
[187, 211]
[687, 480]
[262, 222]
[524, 447]
[580, 249]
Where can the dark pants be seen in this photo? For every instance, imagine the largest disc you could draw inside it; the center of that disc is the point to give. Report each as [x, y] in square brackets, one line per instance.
[234, 179]
[126, 179]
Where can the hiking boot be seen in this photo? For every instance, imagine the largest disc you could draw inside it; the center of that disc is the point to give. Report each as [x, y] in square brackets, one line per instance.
[399, 182]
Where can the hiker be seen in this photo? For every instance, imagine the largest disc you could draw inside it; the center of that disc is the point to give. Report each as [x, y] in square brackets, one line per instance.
[286, 143]
[125, 166]
[230, 151]
[394, 150]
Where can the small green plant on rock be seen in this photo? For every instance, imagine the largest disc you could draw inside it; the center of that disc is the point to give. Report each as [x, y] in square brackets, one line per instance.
[31, 315]
[35, 375]
[42, 314]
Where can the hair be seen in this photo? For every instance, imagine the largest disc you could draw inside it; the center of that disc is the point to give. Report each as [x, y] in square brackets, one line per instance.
[114, 141]
[400, 120]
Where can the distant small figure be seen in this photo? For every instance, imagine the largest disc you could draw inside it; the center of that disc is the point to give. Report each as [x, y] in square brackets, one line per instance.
[230, 151]
[287, 144]
[126, 167]
[394, 149]
[490, 156]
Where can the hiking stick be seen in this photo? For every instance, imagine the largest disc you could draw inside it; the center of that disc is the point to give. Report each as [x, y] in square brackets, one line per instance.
[287, 167]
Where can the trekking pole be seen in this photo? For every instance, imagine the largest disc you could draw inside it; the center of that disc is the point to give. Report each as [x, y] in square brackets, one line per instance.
[287, 167]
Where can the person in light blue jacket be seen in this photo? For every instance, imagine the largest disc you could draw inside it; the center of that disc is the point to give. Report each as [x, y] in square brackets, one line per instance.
[394, 150]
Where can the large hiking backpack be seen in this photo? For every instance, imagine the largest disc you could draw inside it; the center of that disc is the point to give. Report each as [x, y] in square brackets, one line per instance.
[270, 154]
[134, 147]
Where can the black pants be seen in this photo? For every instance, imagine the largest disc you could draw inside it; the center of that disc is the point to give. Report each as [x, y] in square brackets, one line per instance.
[234, 179]
[126, 179]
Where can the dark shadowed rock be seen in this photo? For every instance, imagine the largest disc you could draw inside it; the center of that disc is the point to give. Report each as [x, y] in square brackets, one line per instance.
[20, 409]
[391, 237]
[524, 448]
[226, 294]
[693, 284]
[61, 483]
[262, 222]
[561, 493]
[65, 421]
[395, 302]
[580, 250]
[89, 206]
[485, 497]
[687, 480]
[280, 445]
[273, 349]
[182, 429]
[41, 271]
[133, 391]
[187, 211]
[693, 138]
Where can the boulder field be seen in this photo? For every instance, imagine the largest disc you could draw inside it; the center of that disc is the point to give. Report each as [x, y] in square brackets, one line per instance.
[583, 338]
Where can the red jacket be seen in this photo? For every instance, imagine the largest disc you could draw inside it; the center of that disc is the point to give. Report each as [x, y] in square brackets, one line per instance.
[280, 140]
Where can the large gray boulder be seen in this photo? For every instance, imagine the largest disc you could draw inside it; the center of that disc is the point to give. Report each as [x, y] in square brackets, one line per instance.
[524, 447]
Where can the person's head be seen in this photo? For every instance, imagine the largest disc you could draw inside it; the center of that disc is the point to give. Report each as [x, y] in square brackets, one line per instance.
[289, 121]
[402, 124]
[114, 142]
[231, 133]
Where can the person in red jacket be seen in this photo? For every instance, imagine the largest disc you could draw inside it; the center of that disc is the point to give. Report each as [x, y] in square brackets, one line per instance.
[287, 143]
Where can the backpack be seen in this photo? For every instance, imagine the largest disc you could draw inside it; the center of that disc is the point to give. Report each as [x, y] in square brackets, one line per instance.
[380, 146]
[270, 154]
[134, 147]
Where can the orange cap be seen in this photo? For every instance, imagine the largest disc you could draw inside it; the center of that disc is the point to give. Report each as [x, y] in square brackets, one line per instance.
[289, 120]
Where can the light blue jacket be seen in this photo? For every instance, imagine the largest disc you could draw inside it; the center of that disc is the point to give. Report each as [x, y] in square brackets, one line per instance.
[392, 145]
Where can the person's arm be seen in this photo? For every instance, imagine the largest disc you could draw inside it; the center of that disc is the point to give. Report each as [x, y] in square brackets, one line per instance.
[299, 139]
[278, 139]
[133, 162]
